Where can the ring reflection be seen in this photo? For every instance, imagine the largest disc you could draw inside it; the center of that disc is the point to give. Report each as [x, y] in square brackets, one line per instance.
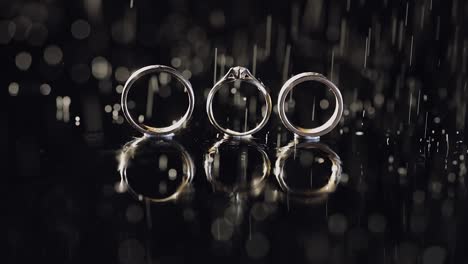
[307, 171]
[237, 166]
[155, 169]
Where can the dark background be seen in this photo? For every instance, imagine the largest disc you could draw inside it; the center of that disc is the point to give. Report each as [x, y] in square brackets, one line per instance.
[402, 70]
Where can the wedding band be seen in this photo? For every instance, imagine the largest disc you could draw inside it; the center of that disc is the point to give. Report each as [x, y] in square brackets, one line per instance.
[238, 74]
[317, 131]
[157, 130]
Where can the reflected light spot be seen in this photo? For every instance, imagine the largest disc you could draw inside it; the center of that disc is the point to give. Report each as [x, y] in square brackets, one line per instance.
[344, 178]
[324, 104]
[108, 108]
[162, 187]
[80, 29]
[164, 78]
[172, 174]
[402, 171]
[119, 120]
[451, 177]
[100, 68]
[187, 74]
[13, 89]
[379, 100]
[122, 74]
[45, 89]
[53, 55]
[163, 162]
[176, 62]
[131, 104]
[119, 89]
[23, 60]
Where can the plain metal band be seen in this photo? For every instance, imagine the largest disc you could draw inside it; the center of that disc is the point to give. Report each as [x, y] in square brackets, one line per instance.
[209, 106]
[157, 130]
[317, 131]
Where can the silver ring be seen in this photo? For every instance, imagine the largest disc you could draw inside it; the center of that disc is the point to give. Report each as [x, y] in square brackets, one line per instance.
[324, 128]
[158, 130]
[242, 74]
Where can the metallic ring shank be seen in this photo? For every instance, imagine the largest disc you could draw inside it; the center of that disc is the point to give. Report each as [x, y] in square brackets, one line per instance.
[322, 129]
[157, 130]
[242, 74]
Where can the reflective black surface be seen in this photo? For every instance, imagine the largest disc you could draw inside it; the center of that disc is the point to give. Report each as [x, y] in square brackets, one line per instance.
[400, 197]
